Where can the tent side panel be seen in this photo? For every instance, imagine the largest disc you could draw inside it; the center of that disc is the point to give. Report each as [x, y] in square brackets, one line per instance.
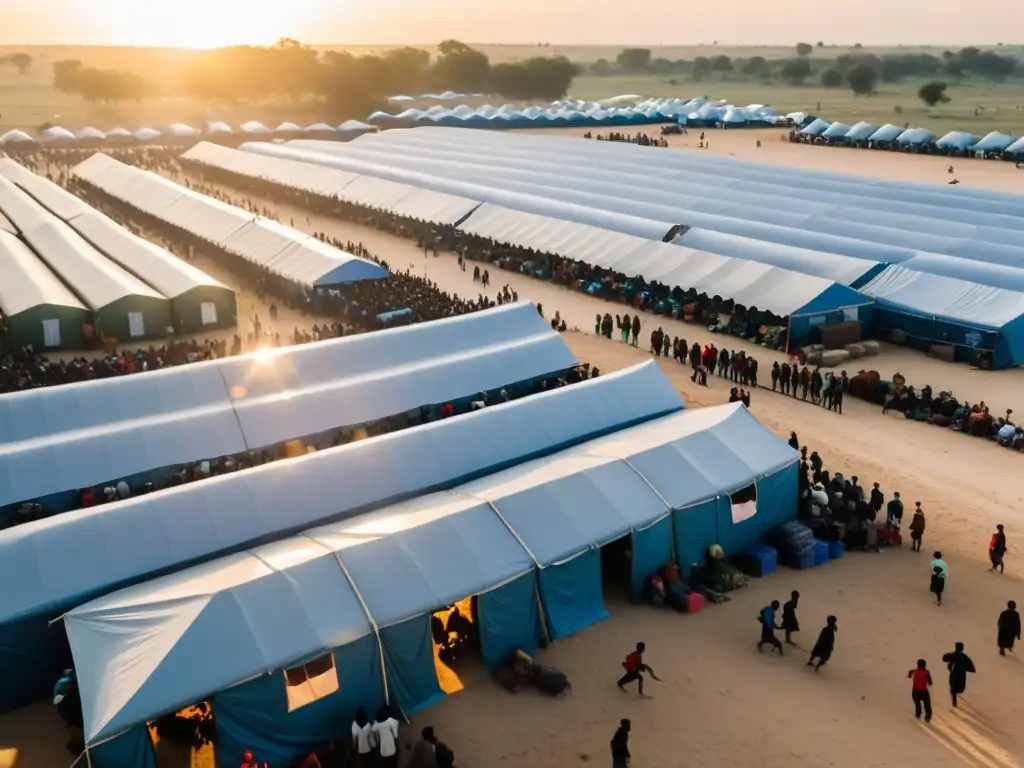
[132, 749]
[409, 656]
[32, 656]
[572, 594]
[114, 318]
[27, 327]
[652, 548]
[776, 504]
[254, 715]
[187, 311]
[695, 529]
[509, 620]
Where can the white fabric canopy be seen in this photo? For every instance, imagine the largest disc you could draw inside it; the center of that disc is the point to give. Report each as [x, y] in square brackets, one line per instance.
[27, 282]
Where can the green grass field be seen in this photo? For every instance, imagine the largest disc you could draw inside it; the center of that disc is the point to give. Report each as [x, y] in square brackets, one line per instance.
[29, 101]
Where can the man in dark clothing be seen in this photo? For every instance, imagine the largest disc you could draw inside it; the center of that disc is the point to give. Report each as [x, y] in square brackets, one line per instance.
[636, 328]
[1009, 628]
[894, 510]
[997, 549]
[776, 372]
[877, 499]
[635, 667]
[723, 362]
[794, 443]
[822, 650]
[784, 379]
[620, 745]
[922, 697]
[789, 620]
[959, 665]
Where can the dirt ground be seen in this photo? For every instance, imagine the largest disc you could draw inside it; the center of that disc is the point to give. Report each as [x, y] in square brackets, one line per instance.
[856, 713]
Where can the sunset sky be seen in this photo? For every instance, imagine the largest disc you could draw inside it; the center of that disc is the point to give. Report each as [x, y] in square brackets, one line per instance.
[205, 23]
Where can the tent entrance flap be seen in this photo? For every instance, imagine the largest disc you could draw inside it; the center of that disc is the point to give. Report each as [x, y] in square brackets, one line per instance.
[571, 593]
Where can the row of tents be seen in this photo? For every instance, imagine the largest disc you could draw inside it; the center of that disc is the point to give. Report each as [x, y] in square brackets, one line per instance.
[519, 522]
[73, 277]
[176, 132]
[951, 257]
[954, 143]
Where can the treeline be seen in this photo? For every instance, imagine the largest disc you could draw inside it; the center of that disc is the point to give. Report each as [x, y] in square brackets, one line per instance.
[808, 63]
[292, 71]
[22, 62]
[107, 86]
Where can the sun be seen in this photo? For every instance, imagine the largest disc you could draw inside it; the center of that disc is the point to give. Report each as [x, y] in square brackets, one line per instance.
[204, 23]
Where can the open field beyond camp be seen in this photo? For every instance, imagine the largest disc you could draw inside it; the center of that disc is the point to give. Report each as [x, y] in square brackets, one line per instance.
[30, 101]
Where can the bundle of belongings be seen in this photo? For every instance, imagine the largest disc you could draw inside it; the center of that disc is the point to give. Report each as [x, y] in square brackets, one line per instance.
[665, 587]
[716, 577]
[520, 670]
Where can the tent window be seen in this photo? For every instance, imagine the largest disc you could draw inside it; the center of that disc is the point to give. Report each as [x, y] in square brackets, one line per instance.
[311, 682]
[136, 325]
[208, 310]
[51, 333]
[744, 503]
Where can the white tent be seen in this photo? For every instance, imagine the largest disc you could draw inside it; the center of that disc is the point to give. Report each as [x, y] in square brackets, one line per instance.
[288, 127]
[56, 134]
[254, 126]
[315, 127]
[91, 134]
[16, 137]
[146, 134]
[119, 134]
[180, 130]
[219, 127]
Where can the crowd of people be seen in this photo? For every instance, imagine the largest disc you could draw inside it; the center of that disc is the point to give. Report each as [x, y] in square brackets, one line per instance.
[640, 138]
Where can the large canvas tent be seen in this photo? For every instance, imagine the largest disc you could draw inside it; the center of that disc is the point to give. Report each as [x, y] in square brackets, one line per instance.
[508, 538]
[125, 307]
[299, 258]
[106, 547]
[806, 299]
[198, 302]
[38, 308]
[933, 308]
[62, 439]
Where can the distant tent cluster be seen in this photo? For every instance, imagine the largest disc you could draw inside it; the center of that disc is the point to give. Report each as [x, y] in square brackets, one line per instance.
[992, 146]
[619, 111]
[175, 133]
[121, 286]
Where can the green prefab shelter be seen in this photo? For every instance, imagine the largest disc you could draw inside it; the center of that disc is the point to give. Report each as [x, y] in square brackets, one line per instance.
[38, 308]
[126, 309]
[198, 302]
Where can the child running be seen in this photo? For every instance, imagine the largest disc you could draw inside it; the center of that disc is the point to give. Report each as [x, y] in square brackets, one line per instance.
[635, 667]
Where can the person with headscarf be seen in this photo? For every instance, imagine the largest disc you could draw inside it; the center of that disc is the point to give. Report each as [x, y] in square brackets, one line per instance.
[822, 650]
[997, 549]
[385, 732]
[1009, 628]
[790, 624]
[959, 665]
[362, 738]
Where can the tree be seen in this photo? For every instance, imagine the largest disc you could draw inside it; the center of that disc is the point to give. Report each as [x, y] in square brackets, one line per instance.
[832, 78]
[634, 60]
[804, 49]
[21, 62]
[721, 64]
[819, 44]
[701, 67]
[933, 93]
[461, 68]
[756, 66]
[65, 75]
[954, 68]
[795, 71]
[858, 46]
[537, 78]
[862, 79]
[602, 68]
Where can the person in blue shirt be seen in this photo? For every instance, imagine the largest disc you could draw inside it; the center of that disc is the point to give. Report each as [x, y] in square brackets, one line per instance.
[768, 627]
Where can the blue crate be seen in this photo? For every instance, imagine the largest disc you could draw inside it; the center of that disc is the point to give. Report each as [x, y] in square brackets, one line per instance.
[760, 560]
[820, 552]
[802, 558]
[835, 550]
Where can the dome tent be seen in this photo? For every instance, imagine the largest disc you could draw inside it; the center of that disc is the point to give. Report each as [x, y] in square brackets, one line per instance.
[994, 142]
[319, 128]
[957, 140]
[1015, 150]
[146, 134]
[182, 131]
[355, 126]
[16, 137]
[288, 127]
[836, 131]
[861, 131]
[119, 134]
[254, 126]
[56, 134]
[219, 127]
[734, 117]
[91, 134]
[816, 128]
[887, 134]
[915, 137]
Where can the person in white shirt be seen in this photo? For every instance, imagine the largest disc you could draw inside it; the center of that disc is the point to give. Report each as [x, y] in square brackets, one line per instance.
[385, 732]
[362, 738]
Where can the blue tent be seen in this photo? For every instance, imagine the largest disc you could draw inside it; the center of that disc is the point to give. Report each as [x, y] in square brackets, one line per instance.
[934, 308]
[887, 134]
[65, 560]
[860, 132]
[957, 140]
[915, 137]
[734, 117]
[63, 439]
[815, 128]
[340, 616]
[1016, 150]
[836, 131]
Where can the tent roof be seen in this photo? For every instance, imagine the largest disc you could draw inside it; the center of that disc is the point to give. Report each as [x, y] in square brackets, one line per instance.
[28, 283]
[99, 281]
[161, 269]
[15, 137]
[19, 209]
[7, 226]
[746, 282]
[404, 560]
[994, 275]
[52, 197]
[294, 255]
[946, 297]
[64, 438]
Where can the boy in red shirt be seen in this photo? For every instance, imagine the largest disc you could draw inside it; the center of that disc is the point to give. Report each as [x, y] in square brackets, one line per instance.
[635, 667]
[922, 680]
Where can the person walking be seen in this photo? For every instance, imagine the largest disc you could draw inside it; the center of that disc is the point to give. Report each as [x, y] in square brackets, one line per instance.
[620, 745]
[790, 624]
[959, 665]
[921, 681]
[385, 733]
[635, 668]
[917, 528]
[822, 650]
[767, 620]
[1009, 628]
[997, 549]
[937, 584]
[362, 738]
